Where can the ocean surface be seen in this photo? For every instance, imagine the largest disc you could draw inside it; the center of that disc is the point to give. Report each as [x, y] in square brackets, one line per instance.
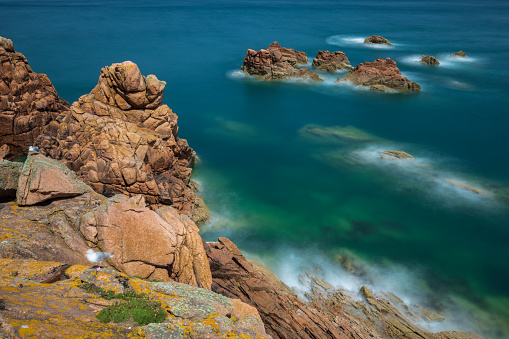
[301, 201]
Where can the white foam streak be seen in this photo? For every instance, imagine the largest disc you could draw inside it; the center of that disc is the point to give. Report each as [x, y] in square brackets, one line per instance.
[349, 41]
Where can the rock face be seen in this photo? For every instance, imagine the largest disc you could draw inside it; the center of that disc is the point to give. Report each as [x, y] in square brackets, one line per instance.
[38, 308]
[28, 100]
[330, 313]
[9, 178]
[276, 62]
[377, 39]
[330, 62]
[381, 75]
[429, 60]
[460, 54]
[120, 139]
[42, 179]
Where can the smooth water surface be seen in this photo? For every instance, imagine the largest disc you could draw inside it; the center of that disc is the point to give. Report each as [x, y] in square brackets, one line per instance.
[295, 201]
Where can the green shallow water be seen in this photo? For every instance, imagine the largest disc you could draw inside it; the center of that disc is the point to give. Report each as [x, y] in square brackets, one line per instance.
[296, 202]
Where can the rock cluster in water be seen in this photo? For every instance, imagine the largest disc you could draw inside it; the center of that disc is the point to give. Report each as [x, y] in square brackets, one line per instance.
[330, 62]
[460, 54]
[377, 39]
[276, 62]
[381, 75]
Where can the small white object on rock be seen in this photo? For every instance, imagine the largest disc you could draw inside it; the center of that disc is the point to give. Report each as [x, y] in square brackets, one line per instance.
[24, 326]
[33, 149]
[97, 257]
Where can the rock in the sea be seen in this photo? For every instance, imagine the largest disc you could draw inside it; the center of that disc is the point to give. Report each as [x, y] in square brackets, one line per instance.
[277, 62]
[377, 39]
[121, 139]
[460, 54]
[43, 178]
[28, 100]
[393, 155]
[383, 74]
[429, 60]
[330, 62]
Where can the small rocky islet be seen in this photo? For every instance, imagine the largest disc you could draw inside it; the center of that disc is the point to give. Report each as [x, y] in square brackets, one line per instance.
[110, 173]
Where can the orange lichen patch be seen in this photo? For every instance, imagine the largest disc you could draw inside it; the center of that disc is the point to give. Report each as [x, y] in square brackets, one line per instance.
[210, 322]
[76, 270]
[25, 268]
[70, 328]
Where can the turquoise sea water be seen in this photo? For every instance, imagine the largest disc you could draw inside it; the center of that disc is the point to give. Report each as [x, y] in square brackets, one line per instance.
[296, 202]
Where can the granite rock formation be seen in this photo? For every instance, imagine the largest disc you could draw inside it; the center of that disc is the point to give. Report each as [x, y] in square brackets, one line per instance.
[382, 75]
[429, 60]
[42, 298]
[28, 101]
[377, 39]
[330, 313]
[121, 139]
[159, 244]
[330, 62]
[460, 54]
[9, 178]
[276, 62]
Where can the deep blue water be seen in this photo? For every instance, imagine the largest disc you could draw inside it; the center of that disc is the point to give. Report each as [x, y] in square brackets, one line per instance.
[296, 202]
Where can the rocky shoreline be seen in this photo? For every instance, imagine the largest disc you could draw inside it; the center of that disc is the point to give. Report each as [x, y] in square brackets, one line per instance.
[110, 173]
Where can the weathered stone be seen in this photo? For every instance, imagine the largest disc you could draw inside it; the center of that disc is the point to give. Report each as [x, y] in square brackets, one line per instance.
[429, 60]
[330, 62]
[121, 139]
[4, 151]
[28, 100]
[277, 63]
[460, 54]
[377, 39]
[43, 178]
[381, 72]
[9, 178]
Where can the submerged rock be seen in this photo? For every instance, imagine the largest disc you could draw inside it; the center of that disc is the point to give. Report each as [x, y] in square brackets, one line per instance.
[277, 63]
[460, 54]
[335, 134]
[393, 155]
[28, 101]
[429, 60]
[330, 62]
[377, 39]
[383, 75]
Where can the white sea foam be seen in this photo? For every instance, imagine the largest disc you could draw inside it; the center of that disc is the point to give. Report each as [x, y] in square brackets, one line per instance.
[235, 74]
[349, 41]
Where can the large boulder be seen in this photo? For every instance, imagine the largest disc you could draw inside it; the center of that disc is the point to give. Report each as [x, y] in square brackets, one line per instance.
[121, 139]
[330, 62]
[377, 39]
[429, 60]
[28, 100]
[381, 75]
[277, 63]
[156, 245]
[43, 178]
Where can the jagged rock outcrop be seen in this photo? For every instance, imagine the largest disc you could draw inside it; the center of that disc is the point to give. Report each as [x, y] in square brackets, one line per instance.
[331, 313]
[382, 75]
[460, 54]
[276, 62]
[28, 100]
[121, 139]
[429, 60]
[330, 62]
[159, 244]
[68, 305]
[377, 39]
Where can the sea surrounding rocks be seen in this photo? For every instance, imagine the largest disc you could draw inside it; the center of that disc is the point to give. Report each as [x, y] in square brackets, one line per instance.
[330, 62]
[276, 63]
[381, 75]
[460, 54]
[377, 39]
[28, 101]
[330, 312]
[429, 60]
